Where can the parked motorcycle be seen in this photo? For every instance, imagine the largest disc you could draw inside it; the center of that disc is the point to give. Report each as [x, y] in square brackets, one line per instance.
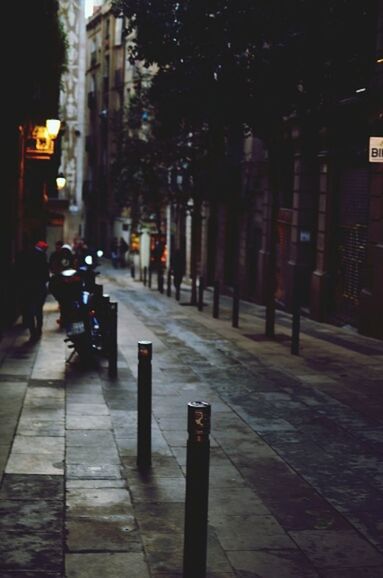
[80, 306]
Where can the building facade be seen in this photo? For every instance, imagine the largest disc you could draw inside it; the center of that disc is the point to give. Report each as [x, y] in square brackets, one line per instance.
[306, 229]
[29, 168]
[66, 219]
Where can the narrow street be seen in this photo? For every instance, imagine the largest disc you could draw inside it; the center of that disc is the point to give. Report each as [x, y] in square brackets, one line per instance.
[296, 472]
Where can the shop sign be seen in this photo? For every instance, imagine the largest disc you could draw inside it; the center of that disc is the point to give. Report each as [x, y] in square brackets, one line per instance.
[376, 149]
[39, 144]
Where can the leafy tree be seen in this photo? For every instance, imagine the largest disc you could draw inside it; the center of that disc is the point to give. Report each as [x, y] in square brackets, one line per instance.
[138, 170]
[230, 66]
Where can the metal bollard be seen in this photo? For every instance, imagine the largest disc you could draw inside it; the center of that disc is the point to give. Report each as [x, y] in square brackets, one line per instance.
[104, 320]
[112, 348]
[98, 292]
[197, 488]
[296, 323]
[178, 292]
[235, 306]
[160, 280]
[193, 295]
[144, 405]
[150, 278]
[145, 275]
[200, 294]
[169, 284]
[216, 300]
[132, 271]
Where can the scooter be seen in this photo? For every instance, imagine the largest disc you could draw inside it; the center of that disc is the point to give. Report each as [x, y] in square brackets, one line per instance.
[80, 309]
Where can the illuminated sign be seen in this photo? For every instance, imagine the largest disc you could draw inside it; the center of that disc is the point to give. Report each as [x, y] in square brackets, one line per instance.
[376, 149]
[39, 144]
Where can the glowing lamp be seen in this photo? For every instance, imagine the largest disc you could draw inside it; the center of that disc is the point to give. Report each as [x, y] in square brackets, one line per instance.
[60, 182]
[53, 127]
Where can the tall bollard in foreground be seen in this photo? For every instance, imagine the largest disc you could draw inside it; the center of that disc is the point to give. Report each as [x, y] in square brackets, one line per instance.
[145, 275]
[197, 490]
[112, 346]
[144, 405]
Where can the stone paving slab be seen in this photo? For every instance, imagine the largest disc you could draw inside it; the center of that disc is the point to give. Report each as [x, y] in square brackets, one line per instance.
[32, 487]
[46, 464]
[111, 565]
[38, 551]
[31, 515]
[103, 535]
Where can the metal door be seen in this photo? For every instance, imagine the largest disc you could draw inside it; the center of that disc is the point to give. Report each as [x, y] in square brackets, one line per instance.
[351, 241]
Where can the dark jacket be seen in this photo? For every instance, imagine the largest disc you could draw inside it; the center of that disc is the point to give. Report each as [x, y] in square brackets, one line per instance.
[32, 274]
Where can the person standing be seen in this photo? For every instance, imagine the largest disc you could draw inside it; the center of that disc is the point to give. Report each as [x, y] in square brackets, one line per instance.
[33, 278]
[178, 268]
[55, 258]
[114, 252]
[123, 247]
[60, 260]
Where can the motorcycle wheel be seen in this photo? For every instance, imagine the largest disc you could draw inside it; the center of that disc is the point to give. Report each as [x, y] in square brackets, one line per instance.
[84, 350]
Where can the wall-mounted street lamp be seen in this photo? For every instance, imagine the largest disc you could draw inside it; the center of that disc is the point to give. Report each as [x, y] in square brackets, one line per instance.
[60, 181]
[40, 140]
[53, 126]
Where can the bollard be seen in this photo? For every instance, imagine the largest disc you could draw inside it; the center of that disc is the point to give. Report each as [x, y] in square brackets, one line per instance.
[197, 488]
[178, 292]
[104, 320]
[144, 405]
[193, 295]
[112, 346]
[98, 292]
[132, 271]
[169, 284]
[235, 306]
[200, 294]
[145, 275]
[296, 322]
[216, 300]
[160, 280]
[150, 278]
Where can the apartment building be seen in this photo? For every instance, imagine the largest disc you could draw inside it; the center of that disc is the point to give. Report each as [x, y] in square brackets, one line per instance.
[318, 231]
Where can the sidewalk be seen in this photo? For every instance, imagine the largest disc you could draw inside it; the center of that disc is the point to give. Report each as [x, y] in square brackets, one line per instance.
[296, 475]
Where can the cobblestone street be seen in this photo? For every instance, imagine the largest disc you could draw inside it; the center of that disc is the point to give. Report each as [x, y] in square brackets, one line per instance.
[296, 474]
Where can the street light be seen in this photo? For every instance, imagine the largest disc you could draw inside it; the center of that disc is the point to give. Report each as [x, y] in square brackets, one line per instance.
[60, 181]
[53, 127]
[40, 139]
